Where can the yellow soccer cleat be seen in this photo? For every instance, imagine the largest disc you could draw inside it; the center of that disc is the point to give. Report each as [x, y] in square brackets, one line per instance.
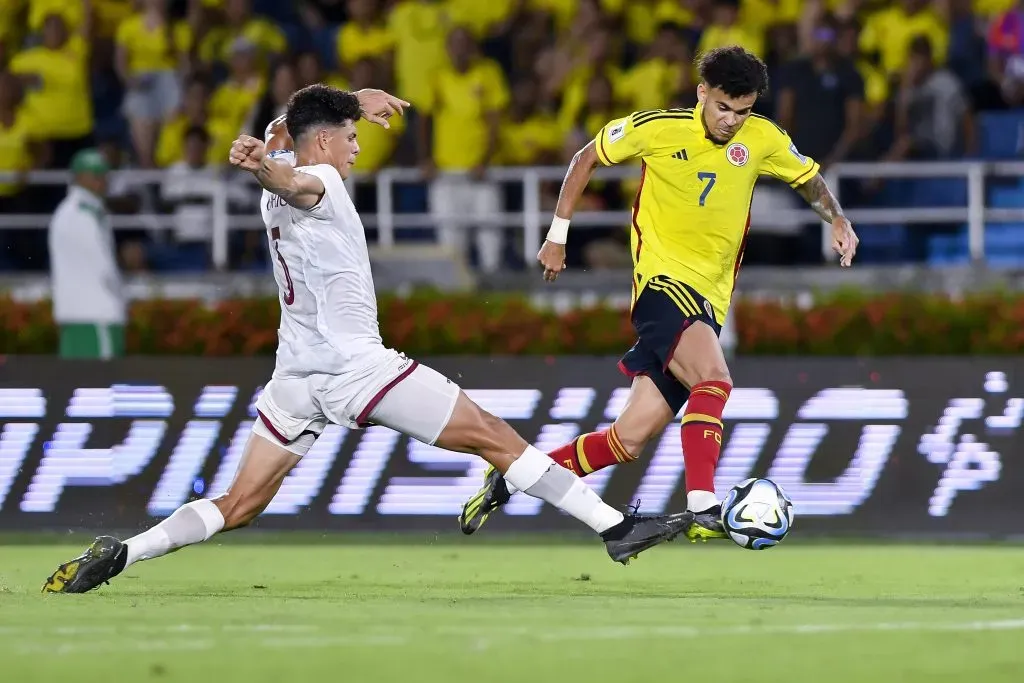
[706, 525]
[491, 496]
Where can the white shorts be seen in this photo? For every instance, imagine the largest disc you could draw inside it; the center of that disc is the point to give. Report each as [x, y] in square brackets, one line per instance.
[400, 393]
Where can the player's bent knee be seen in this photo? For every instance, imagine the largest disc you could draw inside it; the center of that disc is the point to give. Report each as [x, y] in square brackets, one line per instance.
[472, 429]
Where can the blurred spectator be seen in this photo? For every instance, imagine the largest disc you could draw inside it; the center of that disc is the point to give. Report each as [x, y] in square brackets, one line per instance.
[459, 133]
[108, 15]
[186, 193]
[56, 80]
[240, 23]
[17, 153]
[661, 74]
[644, 20]
[376, 144]
[73, 12]
[193, 114]
[12, 27]
[598, 58]
[821, 99]
[933, 117]
[888, 33]
[309, 70]
[599, 109]
[283, 83]
[363, 36]
[1006, 54]
[417, 28]
[725, 29]
[234, 102]
[150, 47]
[483, 19]
[529, 134]
[88, 303]
[967, 49]
[876, 84]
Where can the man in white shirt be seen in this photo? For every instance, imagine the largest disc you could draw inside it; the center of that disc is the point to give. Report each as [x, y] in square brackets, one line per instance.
[332, 366]
[88, 303]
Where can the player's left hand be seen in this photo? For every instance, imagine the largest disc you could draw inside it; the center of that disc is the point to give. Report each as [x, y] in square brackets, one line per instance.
[844, 241]
[247, 153]
[378, 106]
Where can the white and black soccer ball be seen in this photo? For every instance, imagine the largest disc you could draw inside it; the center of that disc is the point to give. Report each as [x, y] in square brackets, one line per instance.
[757, 514]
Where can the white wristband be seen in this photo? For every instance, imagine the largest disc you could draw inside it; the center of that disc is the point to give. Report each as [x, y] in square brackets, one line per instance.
[559, 231]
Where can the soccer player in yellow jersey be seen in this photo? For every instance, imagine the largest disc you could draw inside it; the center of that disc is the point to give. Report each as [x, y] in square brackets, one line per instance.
[689, 227]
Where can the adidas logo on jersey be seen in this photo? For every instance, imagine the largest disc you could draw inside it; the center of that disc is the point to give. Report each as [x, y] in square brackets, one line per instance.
[681, 155]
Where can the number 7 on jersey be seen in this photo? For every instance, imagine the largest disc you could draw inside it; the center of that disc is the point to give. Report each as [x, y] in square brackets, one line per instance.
[706, 176]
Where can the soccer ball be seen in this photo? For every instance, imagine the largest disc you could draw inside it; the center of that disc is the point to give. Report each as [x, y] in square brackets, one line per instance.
[757, 514]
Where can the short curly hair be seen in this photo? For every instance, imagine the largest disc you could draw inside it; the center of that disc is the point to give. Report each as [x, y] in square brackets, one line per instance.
[734, 71]
[320, 105]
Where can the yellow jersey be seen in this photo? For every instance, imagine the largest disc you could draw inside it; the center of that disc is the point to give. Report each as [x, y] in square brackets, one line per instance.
[888, 33]
[356, 42]
[149, 49]
[15, 151]
[419, 31]
[692, 211]
[460, 104]
[59, 104]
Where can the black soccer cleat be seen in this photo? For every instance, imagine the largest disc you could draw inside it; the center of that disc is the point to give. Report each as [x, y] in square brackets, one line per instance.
[706, 524]
[491, 496]
[636, 533]
[102, 561]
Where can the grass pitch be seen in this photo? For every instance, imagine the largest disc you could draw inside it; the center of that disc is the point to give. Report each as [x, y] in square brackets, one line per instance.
[465, 611]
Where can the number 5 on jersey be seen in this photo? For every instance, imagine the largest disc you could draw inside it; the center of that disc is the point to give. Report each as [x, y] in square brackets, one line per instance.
[289, 294]
[709, 178]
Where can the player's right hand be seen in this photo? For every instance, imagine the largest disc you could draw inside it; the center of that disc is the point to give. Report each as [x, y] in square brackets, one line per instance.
[247, 153]
[552, 257]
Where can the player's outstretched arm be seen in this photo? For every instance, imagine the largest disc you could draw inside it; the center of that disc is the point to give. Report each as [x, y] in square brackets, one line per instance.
[844, 240]
[301, 190]
[378, 106]
[581, 168]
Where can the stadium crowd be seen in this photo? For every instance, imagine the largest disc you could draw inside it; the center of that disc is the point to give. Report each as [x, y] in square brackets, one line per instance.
[170, 83]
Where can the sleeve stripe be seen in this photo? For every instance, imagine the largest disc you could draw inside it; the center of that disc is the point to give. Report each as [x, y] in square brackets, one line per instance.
[601, 154]
[799, 181]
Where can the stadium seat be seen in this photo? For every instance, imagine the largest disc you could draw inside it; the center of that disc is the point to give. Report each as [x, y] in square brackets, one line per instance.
[881, 243]
[1001, 134]
[932, 192]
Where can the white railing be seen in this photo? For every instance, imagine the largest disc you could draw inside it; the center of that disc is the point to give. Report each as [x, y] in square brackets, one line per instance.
[533, 219]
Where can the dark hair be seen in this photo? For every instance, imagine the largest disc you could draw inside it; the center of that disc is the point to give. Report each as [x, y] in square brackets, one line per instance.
[921, 47]
[320, 105]
[197, 132]
[734, 71]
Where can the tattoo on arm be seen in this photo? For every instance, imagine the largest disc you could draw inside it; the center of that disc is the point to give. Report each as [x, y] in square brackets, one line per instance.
[816, 193]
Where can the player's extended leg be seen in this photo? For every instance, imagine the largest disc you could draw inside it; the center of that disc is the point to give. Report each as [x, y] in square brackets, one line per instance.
[645, 415]
[698, 362]
[429, 408]
[265, 463]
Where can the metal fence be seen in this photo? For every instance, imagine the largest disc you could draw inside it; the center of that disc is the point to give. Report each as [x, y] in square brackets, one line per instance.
[533, 219]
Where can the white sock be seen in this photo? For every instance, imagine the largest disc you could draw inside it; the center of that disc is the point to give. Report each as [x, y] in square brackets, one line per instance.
[699, 501]
[536, 475]
[192, 523]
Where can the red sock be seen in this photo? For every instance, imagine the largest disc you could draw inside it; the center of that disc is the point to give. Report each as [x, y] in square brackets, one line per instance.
[702, 434]
[591, 452]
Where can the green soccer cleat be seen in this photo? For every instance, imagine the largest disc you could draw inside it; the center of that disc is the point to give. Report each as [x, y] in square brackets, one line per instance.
[102, 561]
[706, 525]
[491, 496]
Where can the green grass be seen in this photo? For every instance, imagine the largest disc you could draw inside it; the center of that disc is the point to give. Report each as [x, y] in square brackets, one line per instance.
[463, 611]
